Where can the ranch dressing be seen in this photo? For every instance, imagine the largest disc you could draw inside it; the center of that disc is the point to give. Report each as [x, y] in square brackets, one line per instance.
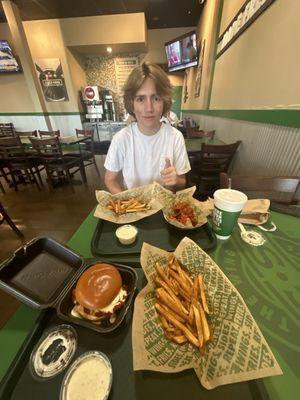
[89, 381]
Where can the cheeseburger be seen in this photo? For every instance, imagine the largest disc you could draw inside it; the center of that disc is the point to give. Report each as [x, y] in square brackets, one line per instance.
[99, 292]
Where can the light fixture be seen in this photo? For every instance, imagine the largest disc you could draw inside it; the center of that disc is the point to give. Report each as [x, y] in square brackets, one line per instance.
[109, 49]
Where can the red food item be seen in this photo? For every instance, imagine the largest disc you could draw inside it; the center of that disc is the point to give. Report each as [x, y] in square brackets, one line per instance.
[184, 213]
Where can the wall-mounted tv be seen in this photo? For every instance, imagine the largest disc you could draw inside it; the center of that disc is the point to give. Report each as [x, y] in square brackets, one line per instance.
[8, 62]
[182, 52]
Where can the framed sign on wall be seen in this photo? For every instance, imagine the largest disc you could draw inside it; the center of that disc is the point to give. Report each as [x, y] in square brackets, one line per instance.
[51, 78]
[246, 15]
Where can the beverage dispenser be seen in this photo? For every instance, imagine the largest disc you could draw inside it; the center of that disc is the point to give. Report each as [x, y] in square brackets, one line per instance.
[92, 101]
[108, 106]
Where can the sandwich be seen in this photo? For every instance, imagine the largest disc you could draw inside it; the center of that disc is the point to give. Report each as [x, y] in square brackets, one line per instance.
[99, 293]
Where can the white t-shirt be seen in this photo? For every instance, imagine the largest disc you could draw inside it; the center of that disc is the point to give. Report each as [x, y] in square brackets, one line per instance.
[141, 158]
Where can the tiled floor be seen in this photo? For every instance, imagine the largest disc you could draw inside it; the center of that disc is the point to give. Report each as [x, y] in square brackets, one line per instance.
[54, 214]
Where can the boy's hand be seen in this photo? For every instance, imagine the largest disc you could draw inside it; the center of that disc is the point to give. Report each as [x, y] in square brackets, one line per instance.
[169, 174]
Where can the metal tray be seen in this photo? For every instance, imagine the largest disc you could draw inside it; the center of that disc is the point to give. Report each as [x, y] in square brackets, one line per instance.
[154, 230]
[43, 274]
[18, 383]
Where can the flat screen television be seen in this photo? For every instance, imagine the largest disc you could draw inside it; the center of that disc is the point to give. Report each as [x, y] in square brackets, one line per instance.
[8, 62]
[182, 52]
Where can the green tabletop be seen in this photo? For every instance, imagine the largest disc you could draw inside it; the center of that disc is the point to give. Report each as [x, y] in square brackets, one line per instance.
[193, 145]
[267, 277]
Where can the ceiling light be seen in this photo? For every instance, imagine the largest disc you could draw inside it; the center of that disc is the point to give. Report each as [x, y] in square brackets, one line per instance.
[109, 49]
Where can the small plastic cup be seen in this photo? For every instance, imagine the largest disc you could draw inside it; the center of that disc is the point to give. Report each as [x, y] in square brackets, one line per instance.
[127, 234]
[228, 204]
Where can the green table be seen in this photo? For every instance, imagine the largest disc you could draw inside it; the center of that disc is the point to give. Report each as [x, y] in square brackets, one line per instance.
[267, 277]
[193, 145]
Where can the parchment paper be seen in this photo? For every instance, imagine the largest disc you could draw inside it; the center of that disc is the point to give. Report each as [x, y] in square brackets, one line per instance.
[238, 350]
[168, 198]
[142, 193]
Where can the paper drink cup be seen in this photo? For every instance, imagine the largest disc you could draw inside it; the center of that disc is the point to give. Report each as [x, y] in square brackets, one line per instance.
[228, 204]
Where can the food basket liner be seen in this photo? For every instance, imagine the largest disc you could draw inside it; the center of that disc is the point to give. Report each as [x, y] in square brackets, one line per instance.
[237, 352]
[141, 193]
[168, 199]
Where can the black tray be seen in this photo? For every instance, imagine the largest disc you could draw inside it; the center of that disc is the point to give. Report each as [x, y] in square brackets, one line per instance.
[43, 274]
[18, 383]
[154, 230]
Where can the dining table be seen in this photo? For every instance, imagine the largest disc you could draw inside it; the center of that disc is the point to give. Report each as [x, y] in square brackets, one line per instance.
[267, 277]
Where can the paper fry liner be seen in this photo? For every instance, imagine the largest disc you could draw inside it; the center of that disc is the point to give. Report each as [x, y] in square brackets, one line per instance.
[237, 351]
[168, 199]
[143, 193]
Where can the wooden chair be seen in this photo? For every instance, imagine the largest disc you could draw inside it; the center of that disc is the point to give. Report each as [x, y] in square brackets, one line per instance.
[7, 130]
[22, 167]
[206, 170]
[195, 133]
[102, 147]
[55, 161]
[5, 217]
[281, 189]
[26, 133]
[49, 133]
[86, 148]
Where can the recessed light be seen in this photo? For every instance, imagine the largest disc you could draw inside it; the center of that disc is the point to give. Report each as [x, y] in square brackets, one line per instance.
[109, 49]
[189, 12]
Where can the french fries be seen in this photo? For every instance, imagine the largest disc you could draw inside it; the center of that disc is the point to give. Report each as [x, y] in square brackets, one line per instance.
[127, 206]
[181, 305]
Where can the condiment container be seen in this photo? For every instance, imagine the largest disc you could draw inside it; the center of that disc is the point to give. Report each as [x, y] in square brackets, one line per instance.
[43, 274]
[127, 234]
[89, 377]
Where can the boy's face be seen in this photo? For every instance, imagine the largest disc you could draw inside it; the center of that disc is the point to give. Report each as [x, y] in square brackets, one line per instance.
[148, 108]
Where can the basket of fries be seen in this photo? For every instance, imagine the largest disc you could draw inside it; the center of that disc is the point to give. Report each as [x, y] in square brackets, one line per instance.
[128, 206]
[189, 315]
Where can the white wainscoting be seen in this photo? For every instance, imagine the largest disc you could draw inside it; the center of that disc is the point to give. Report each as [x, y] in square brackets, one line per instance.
[265, 150]
[65, 123]
[25, 122]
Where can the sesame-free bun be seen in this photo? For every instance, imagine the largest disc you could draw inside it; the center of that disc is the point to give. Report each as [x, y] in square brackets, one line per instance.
[98, 286]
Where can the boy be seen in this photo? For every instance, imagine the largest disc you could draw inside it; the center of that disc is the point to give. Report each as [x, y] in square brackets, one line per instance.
[147, 150]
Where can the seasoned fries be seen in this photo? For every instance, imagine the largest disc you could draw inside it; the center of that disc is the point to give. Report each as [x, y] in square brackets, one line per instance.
[127, 206]
[181, 305]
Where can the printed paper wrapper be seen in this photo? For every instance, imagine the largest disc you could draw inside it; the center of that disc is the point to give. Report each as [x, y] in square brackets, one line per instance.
[255, 212]
[238, 350]
[168, 198]
[142, 193]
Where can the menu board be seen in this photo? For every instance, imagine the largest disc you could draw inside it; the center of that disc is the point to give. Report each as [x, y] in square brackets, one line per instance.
[123, 67]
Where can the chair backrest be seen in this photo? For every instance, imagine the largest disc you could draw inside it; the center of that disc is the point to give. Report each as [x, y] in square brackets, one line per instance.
[7, 129]
[217, 158]
[49, 133]
[11, 148]
[195, 133]
[48, 149]
[26, 133]
[85, 133]
[283, 189]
